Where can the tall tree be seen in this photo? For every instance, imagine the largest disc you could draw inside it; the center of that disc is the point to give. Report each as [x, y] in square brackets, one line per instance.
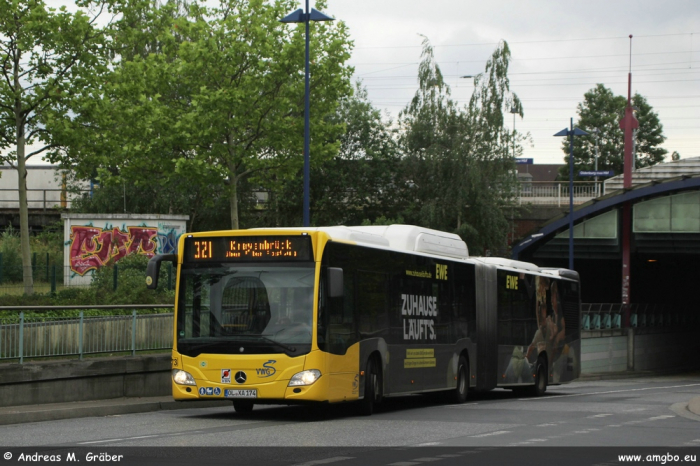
[457, 160]
[359, 184]
[602, 110]
[217, 99]
[45, 54]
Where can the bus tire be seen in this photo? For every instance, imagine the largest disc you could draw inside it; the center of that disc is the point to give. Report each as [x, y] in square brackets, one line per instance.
[540, 379]
[243, 406]
[459, 394]
[372, 388]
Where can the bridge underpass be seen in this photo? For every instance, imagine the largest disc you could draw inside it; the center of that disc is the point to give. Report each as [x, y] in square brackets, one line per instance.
[665, 243]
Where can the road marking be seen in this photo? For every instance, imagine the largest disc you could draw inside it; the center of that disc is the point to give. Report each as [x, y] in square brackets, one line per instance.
[101, 441]
[428, 444]
[427, 460]
[335, 459]
[498, 432]
[546, 425]
[600, 415]
[550, 398]
[665, 416]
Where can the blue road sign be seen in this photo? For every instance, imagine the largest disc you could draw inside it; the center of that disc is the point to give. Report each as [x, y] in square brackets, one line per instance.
[526, 161]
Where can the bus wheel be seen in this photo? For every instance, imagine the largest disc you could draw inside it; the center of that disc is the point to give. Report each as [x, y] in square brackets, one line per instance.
[459, 394]
[540, 379]
[243, 406]
[372, 388]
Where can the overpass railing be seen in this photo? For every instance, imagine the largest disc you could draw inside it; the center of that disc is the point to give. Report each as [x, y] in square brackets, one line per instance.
[605, 316]
[40, 198]
[556, 193]
[37, 331]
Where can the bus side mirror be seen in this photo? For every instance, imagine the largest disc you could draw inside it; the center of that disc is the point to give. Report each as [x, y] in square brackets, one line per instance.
[153, 268]
[335, 282]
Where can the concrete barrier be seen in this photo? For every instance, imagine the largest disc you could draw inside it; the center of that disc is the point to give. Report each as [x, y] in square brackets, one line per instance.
[89, 379]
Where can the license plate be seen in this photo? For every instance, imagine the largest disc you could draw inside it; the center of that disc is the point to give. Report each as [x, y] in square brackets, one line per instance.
[240, 393]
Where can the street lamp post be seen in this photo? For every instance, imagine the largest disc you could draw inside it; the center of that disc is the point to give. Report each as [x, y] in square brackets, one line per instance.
[596, 132]
[514, 111]
[306, 16]
[571, 133]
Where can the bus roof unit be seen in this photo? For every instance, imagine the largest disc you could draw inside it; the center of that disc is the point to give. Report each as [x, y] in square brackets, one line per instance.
[504, 262]
[419, 239]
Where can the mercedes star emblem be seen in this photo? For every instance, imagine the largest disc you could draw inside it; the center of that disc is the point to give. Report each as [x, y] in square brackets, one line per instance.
[240, 377]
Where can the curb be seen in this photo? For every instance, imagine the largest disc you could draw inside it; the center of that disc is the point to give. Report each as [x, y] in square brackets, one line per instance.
[112, 407]
[694, 406]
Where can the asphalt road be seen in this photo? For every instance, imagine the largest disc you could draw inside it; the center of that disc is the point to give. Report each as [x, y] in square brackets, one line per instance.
[626, 415]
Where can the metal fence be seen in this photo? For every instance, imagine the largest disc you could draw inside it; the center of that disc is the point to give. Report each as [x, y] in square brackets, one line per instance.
[48, 278]
[604, 316]
[30, 333]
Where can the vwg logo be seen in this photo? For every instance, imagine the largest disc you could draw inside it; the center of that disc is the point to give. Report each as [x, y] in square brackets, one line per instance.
[267, 369]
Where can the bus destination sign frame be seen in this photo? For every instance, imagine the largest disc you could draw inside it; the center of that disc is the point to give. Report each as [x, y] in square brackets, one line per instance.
[268, 248]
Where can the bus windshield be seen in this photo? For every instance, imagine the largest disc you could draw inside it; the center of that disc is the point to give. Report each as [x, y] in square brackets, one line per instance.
[245, 309]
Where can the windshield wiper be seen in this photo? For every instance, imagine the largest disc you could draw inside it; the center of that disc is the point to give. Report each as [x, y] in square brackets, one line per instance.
[291, 349]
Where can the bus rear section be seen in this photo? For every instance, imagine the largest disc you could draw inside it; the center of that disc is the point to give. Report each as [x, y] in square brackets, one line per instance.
[533, 327]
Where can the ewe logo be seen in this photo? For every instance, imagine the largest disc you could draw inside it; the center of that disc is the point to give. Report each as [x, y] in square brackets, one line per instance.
[267, 369]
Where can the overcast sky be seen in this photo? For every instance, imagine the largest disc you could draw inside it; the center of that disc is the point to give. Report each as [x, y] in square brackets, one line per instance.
[560, 49]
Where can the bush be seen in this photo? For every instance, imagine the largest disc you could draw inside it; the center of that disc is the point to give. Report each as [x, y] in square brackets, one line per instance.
[11, 265]
[131, 283]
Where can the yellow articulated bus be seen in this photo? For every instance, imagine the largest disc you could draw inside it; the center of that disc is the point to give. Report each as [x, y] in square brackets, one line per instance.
[358, 314]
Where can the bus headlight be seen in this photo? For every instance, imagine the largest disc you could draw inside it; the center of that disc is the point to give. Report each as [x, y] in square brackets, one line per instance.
[304, 378]
[183, 378]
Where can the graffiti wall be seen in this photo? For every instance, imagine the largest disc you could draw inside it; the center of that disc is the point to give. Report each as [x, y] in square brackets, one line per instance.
[93, 241]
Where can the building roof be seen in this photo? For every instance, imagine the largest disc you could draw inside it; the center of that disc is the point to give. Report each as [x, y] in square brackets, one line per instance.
[539, 172]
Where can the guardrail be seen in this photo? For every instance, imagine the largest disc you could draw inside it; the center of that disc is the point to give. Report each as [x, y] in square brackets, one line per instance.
[605, 316]
[33, 334]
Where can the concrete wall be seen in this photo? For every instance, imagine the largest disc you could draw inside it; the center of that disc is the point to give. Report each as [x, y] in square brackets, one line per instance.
[92, 241]
[639, 350]
[604, 354]
[90, 379]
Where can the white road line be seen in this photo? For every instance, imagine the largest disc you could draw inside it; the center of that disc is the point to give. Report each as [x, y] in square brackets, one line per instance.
[101, 441]
[546, 425]
[428, 444]
[552, 398]
[335, 459]
[498, 432]
[666, 416]
[600, 415]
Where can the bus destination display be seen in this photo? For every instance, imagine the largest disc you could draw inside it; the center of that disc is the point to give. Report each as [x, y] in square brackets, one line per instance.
[248, 248]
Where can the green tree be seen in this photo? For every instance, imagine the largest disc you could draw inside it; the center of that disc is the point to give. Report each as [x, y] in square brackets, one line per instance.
[217, 100]
[359, 184]
[46, 54]
[458, 160]
[603, 110]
